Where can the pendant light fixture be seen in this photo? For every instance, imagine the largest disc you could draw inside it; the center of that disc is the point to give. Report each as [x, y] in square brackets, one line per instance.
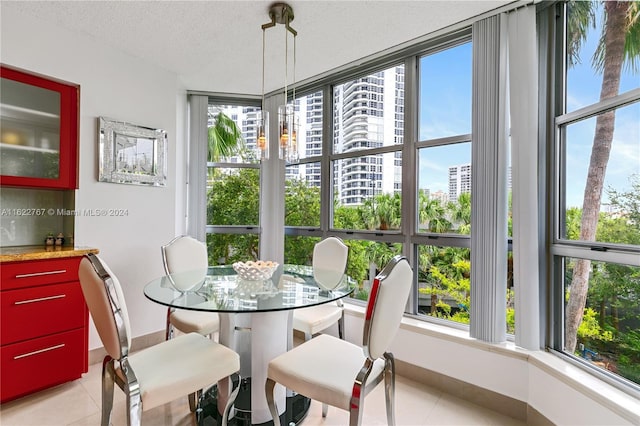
[280, 13]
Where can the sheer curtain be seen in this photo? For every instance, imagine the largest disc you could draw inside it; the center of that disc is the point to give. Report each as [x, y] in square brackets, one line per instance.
[489, 182]
[505, 68]
[527, 243]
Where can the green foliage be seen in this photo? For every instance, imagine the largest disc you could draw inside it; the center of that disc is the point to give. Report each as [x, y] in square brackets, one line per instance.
[444, 272]
[361, 294]
[301, 204]
[450, 217]
[444, 275]
[347, 218]
[627, 203]
[234, 198]
[573, 218]
[590, 329]
[511, 320]
[225, 249]
[298, 250]
[382, 212]
[358, 261]
[629, 360]
[224, 138]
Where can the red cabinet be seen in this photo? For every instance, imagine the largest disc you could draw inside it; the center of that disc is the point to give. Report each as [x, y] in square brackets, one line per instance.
[43, 325]
[39, 136]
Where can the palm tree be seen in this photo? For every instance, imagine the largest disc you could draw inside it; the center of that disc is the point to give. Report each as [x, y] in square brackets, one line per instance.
[619, 43]
[382, 211]
[461, 213]
[433, 213]
[224, 138]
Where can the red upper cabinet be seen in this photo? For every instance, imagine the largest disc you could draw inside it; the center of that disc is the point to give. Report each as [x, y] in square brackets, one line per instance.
[39, 132]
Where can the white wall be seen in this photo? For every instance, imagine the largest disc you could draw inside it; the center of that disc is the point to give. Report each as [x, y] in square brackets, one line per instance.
[118, 86]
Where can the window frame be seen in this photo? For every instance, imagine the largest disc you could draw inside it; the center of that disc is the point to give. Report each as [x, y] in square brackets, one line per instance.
[561, 249]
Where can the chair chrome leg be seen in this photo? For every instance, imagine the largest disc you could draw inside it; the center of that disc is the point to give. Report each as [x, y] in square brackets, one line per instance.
[357, 394]
[169, 327]
[230, 401]
[268, 389]
[325, 409]
[107, 390]
[341, 326]
[134, 411]
[194, 399]
[390, 387]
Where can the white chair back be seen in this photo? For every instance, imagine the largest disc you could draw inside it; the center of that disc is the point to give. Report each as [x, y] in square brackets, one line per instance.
[105, 300]
[329, 262]
[386, 305]
[188, 255]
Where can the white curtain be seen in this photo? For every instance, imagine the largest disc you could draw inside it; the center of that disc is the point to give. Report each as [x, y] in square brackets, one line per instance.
[197, 167]
[523, 91]
[505, 67]
[489, 182]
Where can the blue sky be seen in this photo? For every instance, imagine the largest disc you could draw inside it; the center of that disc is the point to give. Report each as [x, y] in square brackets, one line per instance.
[446, 84]
[444, 110]
[583, 88]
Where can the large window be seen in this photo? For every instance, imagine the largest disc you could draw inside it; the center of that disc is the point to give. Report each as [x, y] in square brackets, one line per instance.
[368, 126]
[366, 170]
[303, 179]
[233, 185]
[597, 218]
[444, 165]
[388, 173]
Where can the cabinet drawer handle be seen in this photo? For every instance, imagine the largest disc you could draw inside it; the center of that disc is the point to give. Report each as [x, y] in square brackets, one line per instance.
[37, 274]
[61, 345]
[40, 299]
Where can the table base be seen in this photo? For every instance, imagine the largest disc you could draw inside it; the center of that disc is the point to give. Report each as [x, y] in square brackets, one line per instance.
[208, 415]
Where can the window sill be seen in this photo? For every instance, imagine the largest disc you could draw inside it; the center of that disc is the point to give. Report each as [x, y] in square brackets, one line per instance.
[533, 368]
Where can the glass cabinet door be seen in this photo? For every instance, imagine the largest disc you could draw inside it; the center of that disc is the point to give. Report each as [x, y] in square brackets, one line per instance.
[39, 131]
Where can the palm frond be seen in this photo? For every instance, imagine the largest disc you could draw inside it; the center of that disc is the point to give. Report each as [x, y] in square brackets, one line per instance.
[631, 31]
[224, 138]
[632, 38]
[580, 17]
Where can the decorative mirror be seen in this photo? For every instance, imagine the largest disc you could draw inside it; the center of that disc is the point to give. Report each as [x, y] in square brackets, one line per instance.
[132, 154]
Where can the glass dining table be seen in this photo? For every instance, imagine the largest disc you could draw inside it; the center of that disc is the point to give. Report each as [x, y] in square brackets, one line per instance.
[256, 322]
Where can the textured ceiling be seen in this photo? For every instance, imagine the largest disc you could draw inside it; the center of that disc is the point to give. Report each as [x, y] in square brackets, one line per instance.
[216, 45]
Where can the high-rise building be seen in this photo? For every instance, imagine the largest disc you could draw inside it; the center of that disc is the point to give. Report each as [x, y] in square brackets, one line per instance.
[368, 113]
[459, 180]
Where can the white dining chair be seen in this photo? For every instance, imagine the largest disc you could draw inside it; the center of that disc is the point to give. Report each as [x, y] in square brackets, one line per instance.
[181, 254]
[158, 374]
[339, 373]
[329, 264]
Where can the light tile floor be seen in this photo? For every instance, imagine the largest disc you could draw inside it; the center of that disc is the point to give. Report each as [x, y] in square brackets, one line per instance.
[78, 403]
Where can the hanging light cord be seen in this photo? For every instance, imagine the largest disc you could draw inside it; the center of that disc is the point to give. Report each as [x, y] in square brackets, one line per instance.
[263, 47]
[286, 62]
[294, 68]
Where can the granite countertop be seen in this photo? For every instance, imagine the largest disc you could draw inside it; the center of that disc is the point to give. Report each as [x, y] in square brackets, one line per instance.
[21, 253]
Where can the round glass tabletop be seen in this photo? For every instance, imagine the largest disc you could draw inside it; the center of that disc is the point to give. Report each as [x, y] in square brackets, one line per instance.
[220, 289]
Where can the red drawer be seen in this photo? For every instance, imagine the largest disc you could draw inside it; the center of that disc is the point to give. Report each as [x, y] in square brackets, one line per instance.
[38, 272]
[39, 311]
[41, 363]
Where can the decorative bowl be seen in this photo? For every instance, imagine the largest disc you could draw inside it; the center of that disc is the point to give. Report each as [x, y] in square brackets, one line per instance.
[255, 271]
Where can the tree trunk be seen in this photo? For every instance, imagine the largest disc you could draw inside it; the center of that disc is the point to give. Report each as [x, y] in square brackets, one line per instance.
[605, 124]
